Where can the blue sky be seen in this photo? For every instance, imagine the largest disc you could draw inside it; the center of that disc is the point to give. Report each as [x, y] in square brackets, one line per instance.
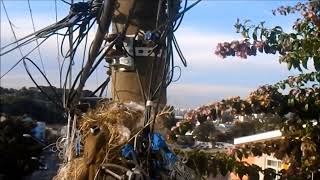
[207, 77]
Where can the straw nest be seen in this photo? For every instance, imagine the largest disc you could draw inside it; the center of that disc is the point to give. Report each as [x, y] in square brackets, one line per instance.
[116, 118]
[75, 169]
[104, 130]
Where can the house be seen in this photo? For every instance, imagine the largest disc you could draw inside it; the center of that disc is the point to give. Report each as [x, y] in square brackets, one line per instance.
[264, 161]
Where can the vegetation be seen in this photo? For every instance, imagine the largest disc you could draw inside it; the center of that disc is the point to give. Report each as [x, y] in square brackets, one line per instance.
[32, 102]
[19, 154]
[298, 96]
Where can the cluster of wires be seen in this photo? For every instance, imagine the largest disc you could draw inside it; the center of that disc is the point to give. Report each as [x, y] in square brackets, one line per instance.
[81, 17]
[166, 44]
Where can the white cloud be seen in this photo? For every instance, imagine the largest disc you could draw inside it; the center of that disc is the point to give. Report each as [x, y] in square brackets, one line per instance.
[207, 77]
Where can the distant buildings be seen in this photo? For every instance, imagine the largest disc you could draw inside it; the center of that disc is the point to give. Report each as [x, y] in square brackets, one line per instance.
[264, 161]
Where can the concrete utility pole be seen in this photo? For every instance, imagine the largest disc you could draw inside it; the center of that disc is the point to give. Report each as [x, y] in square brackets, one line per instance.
[131, 85]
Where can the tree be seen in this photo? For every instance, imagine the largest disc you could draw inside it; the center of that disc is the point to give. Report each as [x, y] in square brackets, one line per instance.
[205, 132]
[298, 95]
[19, 154]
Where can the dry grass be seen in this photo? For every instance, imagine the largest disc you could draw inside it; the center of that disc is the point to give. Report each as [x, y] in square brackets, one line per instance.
[75, 169]
[118, 120]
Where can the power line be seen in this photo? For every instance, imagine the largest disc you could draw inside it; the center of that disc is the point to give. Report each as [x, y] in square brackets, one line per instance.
[14, 35]
[34, 30]
[11, 26]
[23, 58]
[58, 52]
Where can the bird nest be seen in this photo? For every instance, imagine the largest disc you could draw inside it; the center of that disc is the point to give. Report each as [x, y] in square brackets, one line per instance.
[104, 130]
[118, 119]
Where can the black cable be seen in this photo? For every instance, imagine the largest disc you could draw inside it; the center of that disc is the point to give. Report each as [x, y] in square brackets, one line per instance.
[66, 2]
[57, 40]
[49, 30]
[16, 41]
[84, 49]
[163, 73]
[11, 26]
[143, 93]
[74, 51]
[178, 78]
[177, 47]
[171, 72]
[23, 58]
[33, 80]
[101, 86]
[181, 18]
[77, 41]
[71, 90]
[34, 30]
[93, 67]
[18, 46]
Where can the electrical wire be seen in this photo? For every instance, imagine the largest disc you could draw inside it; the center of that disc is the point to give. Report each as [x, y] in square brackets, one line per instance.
[24, 63]
[76, 43]
[56, 102]
[105, 83]
[181, 18]
[34, 30]
[74, 51]
[66, 2]
[177, 47]
[72, 19]
[103, 54]
[43, 33]
[18, 62]
[11, 25]
[57, 40]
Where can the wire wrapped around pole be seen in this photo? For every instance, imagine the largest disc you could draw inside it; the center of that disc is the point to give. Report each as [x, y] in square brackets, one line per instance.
[102, 29]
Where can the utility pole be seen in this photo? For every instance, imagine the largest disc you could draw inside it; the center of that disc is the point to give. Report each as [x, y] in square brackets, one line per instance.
[133, 85]
[128, 85]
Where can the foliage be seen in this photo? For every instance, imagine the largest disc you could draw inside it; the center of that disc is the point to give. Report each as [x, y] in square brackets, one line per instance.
[208, 163]
[205, 132]
[293, 105]
[295, 48]
[32, 102]
[19, 155]
[299, 148]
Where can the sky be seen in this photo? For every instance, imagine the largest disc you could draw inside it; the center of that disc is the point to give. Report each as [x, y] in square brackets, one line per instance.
[207, 78]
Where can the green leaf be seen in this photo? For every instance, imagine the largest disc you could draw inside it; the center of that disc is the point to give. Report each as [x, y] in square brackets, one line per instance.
[237, 25]
[246, 21]
[316, 62]
[293, 35]
[239, 154]
[291, 101]
[289, 65]
[317, 76]
[304, 63]
[278, 28]
[263, 31]
[254, 34]
[222, 168]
